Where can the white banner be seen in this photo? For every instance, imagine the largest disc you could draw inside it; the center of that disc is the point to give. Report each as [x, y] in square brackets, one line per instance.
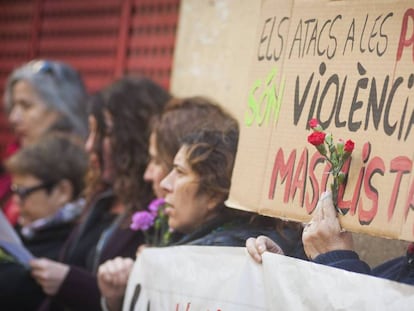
[202, 278]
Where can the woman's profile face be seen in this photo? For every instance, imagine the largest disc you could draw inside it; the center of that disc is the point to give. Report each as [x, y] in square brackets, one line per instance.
[91, 146]
[187, 210]
[156, 170]
[29, 115]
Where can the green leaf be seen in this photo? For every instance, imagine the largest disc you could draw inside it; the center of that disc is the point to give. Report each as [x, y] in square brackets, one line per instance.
[6, 257]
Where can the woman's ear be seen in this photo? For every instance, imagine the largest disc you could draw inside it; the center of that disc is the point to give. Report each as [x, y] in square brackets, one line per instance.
[62, 192]
[214, 201]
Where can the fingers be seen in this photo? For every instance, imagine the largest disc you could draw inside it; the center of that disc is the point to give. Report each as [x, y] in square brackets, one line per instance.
[141, 248]
[38, 263]
[39, 269]
[327, 205]
[116, 271]
[264, 243]
[252, 250]
[49, 274]
[256, 247]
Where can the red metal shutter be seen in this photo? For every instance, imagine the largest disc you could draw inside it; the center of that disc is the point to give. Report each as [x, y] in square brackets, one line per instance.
[102, 39]
[16, 18]
[152, 38]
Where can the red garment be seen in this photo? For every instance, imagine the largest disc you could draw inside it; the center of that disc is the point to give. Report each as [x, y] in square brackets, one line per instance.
[10, 208]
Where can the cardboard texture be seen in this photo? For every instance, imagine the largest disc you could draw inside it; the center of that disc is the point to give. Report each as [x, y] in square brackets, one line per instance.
[214, 50]
[350, 64]
[226, 278]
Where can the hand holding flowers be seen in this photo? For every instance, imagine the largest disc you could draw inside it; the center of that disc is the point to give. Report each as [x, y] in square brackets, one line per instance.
[336, 155]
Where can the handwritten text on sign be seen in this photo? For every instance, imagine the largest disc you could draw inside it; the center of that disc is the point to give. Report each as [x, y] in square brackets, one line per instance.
[350, 66]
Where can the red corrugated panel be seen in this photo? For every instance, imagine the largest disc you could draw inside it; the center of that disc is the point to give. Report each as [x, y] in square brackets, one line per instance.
[153, 30]
[81, 7]
[83, 24]
[91, 63]
[15, 8]
[16, 47]
[15, 23]
[99, 38]
[84, 34]
[86, 43]
[95, 83]
[13, 28]
[146, 41]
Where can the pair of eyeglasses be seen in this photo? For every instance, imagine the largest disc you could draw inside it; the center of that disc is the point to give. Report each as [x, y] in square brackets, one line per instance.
[24, 192]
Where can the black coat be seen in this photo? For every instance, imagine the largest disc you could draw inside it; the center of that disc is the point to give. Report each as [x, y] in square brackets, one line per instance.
[18, 290]
[100, 237]
[228, 232]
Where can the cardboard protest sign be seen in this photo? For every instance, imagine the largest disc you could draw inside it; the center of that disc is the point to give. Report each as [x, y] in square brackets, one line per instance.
[203, 278]
[350, 64]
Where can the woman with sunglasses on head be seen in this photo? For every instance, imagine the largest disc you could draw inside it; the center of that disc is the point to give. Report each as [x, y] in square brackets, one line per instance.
[118, 148]
[40, 96]
[48, 179]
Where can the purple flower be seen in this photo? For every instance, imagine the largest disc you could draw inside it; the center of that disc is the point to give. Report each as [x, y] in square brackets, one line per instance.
[155, 204]
[142, 221]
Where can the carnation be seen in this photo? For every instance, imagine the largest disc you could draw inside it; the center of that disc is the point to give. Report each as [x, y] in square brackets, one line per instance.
[142, 220]
[349, 146]
[153, 218]
[336, 154]
[313, 123]
[316, 138]
[155, 204]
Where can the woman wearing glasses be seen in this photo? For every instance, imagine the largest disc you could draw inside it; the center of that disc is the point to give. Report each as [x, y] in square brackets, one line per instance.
[39, 96]
[48, 178]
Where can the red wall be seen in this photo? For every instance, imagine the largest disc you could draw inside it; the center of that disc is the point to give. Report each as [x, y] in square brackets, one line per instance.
[103, 39]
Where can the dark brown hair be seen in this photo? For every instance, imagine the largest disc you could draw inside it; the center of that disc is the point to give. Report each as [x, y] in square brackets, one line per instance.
[56, 156]
[211, 155]
[184, 116]
[132, 102]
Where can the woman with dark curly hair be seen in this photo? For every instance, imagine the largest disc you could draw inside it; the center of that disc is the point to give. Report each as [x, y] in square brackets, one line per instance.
[118, 146]
[195, 184]
[197, 187]
[173, 125]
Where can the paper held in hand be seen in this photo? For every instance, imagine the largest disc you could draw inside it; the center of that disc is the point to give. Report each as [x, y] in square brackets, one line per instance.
[11, 243]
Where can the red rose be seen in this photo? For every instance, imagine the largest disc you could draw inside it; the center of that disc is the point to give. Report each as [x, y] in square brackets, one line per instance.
[317, 138]
[349, 146]
[313, 123]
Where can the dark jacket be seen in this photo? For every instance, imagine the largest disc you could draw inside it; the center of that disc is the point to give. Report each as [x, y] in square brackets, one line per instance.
[226, 232]
[400, 269]
[18, 290]
[48, 242]
[100, 237]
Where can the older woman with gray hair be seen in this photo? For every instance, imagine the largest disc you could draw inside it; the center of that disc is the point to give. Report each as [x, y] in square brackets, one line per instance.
[40, 96]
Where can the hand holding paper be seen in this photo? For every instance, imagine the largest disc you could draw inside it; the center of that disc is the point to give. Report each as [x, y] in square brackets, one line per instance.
[11, 243]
